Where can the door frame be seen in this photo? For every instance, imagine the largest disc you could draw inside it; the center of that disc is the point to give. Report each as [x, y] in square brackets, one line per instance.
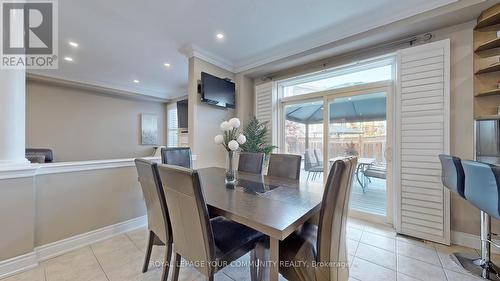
[330, 95]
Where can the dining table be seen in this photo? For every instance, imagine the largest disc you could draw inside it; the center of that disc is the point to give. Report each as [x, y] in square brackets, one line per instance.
[274, 206]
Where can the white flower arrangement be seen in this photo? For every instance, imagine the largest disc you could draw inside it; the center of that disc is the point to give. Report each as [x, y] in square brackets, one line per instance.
[231, 137]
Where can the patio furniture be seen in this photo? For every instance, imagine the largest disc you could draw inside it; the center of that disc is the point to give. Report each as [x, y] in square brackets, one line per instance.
[311, 165]
[376, 170]
[363, 164]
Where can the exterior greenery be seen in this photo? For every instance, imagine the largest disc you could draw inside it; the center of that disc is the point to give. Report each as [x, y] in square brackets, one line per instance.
[257, 135]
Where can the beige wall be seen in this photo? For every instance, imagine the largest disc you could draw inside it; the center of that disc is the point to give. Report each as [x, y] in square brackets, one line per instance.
[82, 125]
[17, 209]
[204, 120]
[244, 98]
[93, 200]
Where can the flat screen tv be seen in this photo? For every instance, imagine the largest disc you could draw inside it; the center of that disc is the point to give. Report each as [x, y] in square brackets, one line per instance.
[217, 91]
[182, 114]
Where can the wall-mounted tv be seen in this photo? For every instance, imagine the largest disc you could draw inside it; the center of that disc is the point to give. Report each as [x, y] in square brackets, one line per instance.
[217, 91]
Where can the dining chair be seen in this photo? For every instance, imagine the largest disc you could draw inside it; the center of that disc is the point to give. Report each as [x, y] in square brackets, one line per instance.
[179, 156]
[158, 220]
[319, 253]
[209, 244]
[251, 162]
[284, 166]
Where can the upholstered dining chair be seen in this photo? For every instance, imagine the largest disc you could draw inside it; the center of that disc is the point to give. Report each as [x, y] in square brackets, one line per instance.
[179, 156]
[251, 162]
[158, 220]
[284, 166]
[324, 244]
[209, 244]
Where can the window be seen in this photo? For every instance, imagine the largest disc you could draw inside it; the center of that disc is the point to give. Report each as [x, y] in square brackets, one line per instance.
[172, 126]
[337, 79]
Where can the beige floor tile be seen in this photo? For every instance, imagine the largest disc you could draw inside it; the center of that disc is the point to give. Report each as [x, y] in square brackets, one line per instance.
[78, 265]
[352, 246]
[240, 269]
[380, 230]
[355, 223]
[139, 237]
[127, 257]
[450, 262]
[455, 276]
[377, 256]
[354, 233]
[379, 241]
[402, 277]
[415, 241]
[367, 271]
[132, 273]
[119, 242]
[428, 255]
[420, 270]
[35, 274]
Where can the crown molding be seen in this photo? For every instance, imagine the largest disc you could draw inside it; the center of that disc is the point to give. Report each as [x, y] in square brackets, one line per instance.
[92, 88]
[192, 50]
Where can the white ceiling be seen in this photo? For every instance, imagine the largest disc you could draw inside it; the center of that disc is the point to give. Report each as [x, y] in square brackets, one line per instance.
[120, 41]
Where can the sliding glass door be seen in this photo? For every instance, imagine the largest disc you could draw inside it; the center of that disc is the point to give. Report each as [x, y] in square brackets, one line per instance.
[353, 121]
[358, 126]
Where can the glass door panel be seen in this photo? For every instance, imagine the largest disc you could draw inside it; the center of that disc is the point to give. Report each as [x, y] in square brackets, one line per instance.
[303, 135]
[358, 127]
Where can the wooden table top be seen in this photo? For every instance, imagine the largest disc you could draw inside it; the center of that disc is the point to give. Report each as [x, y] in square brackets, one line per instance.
[276, 212]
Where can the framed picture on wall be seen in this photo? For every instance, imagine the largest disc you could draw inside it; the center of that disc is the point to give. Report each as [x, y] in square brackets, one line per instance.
[149, 129]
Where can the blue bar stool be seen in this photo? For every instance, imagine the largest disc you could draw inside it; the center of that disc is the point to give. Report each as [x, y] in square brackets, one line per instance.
[482, 189]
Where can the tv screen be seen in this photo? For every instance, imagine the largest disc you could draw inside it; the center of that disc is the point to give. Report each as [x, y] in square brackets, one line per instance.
[182, 114]
[217, 91]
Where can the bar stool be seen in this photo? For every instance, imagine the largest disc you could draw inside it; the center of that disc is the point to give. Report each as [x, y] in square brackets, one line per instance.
[482, 189]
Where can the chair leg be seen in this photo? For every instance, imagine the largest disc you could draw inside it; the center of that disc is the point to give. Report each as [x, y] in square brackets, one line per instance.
[308, 174]
[166, 262]
[253, 266]
[177, 265]
[151, 240]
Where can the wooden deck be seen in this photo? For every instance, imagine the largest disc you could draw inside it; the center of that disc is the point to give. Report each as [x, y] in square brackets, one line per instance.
[373, 201]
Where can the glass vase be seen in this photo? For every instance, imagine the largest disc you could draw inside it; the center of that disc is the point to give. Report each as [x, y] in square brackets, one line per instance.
[231, 168]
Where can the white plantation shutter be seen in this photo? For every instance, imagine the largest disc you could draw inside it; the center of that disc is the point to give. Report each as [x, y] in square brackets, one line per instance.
[422, 133]
[172, 132]
[265, 108]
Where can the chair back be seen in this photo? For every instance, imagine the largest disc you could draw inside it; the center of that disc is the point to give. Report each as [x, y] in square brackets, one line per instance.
[158, 220]
[192, 232]
[284, 166]
[482, 183]
[318, 155]
[251, 162]
[452, 174]
[39, 155]
[309, 159]
[331, 242]
[178, 156]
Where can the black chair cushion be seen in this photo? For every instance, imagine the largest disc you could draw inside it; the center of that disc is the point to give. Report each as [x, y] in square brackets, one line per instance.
[232, 240]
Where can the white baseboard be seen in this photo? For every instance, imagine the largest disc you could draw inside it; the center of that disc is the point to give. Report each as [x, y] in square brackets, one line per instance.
[471, 241]
[18, 264]
[25, 262]
[57, 248]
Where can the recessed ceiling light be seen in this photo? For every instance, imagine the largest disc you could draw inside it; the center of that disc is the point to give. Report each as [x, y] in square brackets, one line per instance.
[136, 81]
[167, 65]
[68, 58]
[219, 36]
[73, 44]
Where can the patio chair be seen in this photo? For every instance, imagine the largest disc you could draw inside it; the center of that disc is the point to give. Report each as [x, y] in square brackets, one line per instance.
[311, 165]
[376, 170]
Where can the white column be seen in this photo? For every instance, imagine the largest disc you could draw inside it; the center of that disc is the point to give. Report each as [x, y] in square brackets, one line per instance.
[12, 116]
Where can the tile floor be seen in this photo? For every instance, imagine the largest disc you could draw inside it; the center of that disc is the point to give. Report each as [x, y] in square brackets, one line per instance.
[375, 252]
